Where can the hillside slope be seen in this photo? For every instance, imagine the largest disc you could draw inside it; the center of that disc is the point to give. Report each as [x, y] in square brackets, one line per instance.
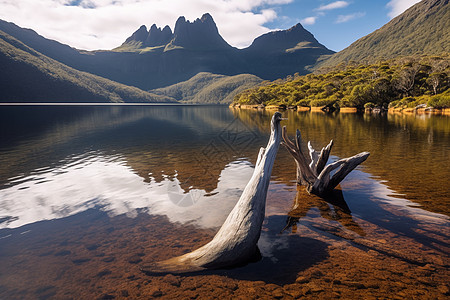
[401, 82]
[207, 88]
[422, 29]
[29, 76]
[156, 58]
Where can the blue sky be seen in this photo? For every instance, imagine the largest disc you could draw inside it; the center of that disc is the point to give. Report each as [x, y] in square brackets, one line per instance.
[336, 24]
[105, 24]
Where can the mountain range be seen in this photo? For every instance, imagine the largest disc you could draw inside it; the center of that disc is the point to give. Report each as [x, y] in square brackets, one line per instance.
[29, 76]
[193, 63]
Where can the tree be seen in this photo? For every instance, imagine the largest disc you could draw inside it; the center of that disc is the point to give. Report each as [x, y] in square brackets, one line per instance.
[434, 80]
[406, 78]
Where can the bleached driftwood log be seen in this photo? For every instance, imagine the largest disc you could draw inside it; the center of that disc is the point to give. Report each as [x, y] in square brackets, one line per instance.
[316, 175]
[235, 242]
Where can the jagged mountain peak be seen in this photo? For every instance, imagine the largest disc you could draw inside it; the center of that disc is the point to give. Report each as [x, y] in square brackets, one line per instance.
[206, 18]
[200, 34]
[157, 36]
[139, 35]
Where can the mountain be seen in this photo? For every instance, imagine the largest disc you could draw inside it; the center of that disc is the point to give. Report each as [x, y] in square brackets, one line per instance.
[270, 56]
[422, 29]
[155, 57]
[209, 88]
[282, 41]
[32, 39]
[279, 53]
[202, 34]
[29, 76]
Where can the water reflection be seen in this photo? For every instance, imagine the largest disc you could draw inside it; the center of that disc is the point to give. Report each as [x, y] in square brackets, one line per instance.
[331, 207]
[192, 143]
[107, 182]
[408, 152]
[88, 193]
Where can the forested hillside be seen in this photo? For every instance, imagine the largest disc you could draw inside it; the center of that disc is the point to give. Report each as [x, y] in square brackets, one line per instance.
[209, 88]
[405, 81]
[423, 29]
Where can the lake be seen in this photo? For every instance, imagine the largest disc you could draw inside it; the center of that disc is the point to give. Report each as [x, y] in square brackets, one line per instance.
[90, 193]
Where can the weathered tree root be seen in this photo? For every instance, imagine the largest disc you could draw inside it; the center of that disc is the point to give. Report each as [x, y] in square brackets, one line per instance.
[316, 175]
[235, 242]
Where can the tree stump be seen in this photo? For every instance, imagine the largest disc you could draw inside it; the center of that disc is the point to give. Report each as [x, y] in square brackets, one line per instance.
[315, 175]
[235, 242]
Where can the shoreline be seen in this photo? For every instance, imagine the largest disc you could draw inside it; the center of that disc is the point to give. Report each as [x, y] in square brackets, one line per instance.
[322, 109]
[104, 104]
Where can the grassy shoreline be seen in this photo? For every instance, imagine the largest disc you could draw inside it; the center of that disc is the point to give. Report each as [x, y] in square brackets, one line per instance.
[407, 110]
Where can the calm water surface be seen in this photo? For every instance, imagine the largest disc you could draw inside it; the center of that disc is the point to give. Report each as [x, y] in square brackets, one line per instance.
[88, 193]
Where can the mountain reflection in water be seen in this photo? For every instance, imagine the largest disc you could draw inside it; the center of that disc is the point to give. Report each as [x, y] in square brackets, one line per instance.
[107, 183]
[88, 193]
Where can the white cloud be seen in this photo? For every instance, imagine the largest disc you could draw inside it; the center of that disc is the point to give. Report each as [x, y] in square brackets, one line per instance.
[105, 24]
[309, 21]
[333, 5]
[399, 6]
[346, 18]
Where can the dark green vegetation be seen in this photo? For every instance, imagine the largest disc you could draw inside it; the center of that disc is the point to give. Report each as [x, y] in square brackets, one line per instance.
[405, 63]
[158, 65]
[209, 88]
[28, 76]
[422, 29]
[406, 81]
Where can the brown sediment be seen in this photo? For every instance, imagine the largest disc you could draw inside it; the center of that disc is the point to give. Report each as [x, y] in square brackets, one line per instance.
[401, 110]
[272, 107]
[303, 108]
[348, 110]
[317, 108]
[243, 106]
[333, 256]
[409, 110]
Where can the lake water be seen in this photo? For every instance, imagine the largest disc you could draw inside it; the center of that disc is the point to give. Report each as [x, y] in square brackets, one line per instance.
[89, 193]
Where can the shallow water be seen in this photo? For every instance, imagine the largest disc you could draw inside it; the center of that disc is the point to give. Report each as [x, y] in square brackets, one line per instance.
[89, 193]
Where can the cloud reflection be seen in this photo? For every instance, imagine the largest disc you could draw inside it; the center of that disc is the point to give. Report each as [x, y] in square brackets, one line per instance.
[108, 183]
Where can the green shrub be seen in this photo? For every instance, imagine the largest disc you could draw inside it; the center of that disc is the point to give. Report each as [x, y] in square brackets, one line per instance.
[353, 85]
[321, 102]
[369, 105]
[419, 100]
[343, 103]
[440, 101]
[304, 102]
[393, 104]
[407, 100]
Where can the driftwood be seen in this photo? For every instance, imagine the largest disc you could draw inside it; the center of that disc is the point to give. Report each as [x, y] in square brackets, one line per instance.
[235, 242]
[316, 175]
